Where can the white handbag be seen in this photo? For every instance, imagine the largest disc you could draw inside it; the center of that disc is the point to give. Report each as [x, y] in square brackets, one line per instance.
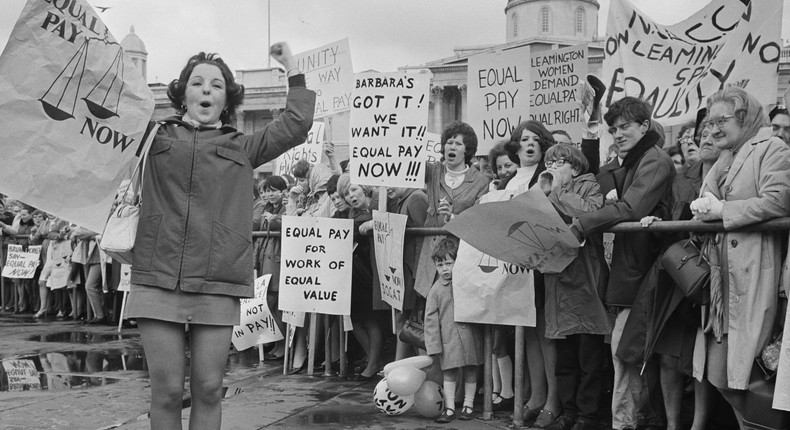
[117, 239]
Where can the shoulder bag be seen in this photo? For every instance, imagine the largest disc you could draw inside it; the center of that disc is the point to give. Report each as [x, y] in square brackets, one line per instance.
[687, 266]
[119, 233]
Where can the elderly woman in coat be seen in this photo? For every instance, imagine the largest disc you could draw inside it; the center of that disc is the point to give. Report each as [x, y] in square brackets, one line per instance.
[749, 183]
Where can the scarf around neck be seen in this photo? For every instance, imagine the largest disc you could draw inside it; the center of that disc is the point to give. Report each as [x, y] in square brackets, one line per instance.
[635, 154]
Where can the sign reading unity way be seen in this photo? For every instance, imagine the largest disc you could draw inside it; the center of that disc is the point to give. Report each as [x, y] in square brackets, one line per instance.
[68, 101]
[311, 151]
[554, 85]
[388, 121]
[492, 291]
[315, 265]
[21, 264]
[257, 324]
[677, 67]
[498, 94]
[388, 231]
[328, 72]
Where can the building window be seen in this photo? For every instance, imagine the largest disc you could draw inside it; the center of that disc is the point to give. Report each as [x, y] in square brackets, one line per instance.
[514, 19]
[545, 19]
[580, 21]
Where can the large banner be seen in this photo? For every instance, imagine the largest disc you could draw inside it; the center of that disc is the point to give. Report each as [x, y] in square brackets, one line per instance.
[315, 265]
[389, 117]
[257, 325]
[311, 151]
[72, 110]
[388, 231]
[329, 73]
[491, 291]
[554, 85]
[498, 94]
[677, 67]
[21, 264]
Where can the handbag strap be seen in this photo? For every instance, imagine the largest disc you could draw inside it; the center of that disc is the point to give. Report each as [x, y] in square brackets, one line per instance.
[139, 169]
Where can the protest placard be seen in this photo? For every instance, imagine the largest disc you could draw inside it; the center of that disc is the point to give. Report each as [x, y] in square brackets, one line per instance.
[21, 264]
[388, 231]
[388, 121]
[433, 147]
[554, 83]
[310, 150]
[315, 265]
[73, 104]
[492, 291]
[257, 325]
[22, 375]
[498, 94]
[677, 67]
[125, 283]
[294, 318]
[328, 72]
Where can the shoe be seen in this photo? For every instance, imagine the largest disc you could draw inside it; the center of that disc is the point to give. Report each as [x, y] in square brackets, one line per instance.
[273, 357]
[360, 378]
[584, 425]
[447, 416]
[466, 414]
[598, 87]
[129, 324]
[41, 314]
[545, 419]
[297, 370]
[99, 321]
[59, 315]
[530, 415]
[564, 422]
[504, 404]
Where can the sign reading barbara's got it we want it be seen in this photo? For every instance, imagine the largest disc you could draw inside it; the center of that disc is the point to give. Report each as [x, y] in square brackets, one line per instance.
[70, 102]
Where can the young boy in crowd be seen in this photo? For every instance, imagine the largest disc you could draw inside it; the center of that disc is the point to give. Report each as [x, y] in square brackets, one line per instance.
[458, 345]
[576, 319]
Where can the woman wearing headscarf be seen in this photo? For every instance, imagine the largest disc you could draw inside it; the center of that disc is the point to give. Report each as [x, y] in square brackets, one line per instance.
[749, 183]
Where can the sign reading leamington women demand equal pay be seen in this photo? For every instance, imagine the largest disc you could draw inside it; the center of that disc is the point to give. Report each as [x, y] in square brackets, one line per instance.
[315, 265]
[389, 116]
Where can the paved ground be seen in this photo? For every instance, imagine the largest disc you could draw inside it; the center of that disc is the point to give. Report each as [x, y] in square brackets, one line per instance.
[94, 378]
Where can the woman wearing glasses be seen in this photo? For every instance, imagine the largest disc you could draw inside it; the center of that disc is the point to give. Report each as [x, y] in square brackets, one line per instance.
[748, 184]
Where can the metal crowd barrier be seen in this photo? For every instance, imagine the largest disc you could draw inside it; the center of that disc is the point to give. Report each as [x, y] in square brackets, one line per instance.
[778, 224]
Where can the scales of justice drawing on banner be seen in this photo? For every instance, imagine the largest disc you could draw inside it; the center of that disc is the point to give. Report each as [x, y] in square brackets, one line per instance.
[102, 100]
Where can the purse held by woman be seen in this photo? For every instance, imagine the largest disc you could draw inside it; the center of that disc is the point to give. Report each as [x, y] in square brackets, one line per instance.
[413, 331]
[686, 265]
[119, 233]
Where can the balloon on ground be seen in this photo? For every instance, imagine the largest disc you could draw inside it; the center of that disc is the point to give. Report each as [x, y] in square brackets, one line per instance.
[388, 402]
[429, 399]
[405, 381]
[417, 362]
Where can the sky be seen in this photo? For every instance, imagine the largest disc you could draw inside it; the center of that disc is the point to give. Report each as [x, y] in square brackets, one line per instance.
[383, 35]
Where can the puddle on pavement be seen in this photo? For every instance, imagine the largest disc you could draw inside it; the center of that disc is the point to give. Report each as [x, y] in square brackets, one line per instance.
[67, 370]
[80, 337]
[335, 416]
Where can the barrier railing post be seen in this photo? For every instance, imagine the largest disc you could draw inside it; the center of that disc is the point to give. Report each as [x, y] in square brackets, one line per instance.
[3, 304]
[488, 387]
[343, 372]
[518, 374]
[287, 358]
[327, 345]
[312, 344]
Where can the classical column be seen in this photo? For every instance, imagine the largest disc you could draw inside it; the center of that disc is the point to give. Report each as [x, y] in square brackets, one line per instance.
[240, 121]
[437, 96]
[462, 89]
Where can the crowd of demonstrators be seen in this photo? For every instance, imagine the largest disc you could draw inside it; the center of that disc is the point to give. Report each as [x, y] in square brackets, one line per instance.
[724, 166]
[70, 269]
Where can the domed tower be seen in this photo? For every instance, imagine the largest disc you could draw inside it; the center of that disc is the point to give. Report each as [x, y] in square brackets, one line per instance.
[134, 51]
[566, 19]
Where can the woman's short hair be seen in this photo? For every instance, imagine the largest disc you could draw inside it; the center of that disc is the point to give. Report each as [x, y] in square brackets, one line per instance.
[443, 249]
[300, 169]
[734, 96]
[274, 182]
[499, 150]
[344, 183]
[234, 92]
[331, 184]
[545, 138]
[39, 212]
[629, 109]
[571, 154]
[470, 138]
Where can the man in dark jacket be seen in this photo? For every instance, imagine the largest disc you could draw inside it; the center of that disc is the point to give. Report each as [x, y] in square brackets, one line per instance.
[636, 184]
